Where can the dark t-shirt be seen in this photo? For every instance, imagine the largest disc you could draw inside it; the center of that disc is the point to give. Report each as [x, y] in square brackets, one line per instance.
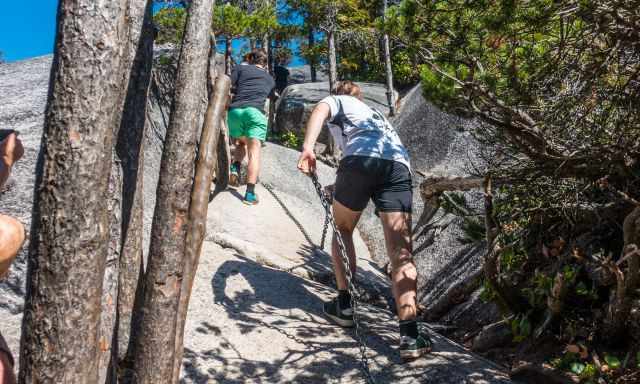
[282, 77]
[250, 86]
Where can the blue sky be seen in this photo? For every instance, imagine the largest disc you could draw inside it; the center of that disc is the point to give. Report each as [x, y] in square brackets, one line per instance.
[27, 29]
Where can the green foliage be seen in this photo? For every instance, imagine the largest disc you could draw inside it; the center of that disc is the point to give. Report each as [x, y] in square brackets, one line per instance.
[166, 60]
[405, 71]
[520, 327]
[540, 73]
[230, 21]
[565, 361]
[170, 22]
[584, 371]
[358, 41]
[472, 224]
[537, 292]
[290, 139]
[262, 21]
[612, 361]
[488, 294]
[512, 259]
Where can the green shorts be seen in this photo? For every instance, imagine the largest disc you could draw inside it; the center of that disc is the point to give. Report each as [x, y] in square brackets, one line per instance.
[247, 122]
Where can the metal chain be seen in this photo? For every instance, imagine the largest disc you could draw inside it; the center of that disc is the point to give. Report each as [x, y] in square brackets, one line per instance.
[324, 230]
[273, 193]
[330, 220]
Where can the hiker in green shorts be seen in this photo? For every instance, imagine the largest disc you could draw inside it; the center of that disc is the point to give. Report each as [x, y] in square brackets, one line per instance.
[251, 85]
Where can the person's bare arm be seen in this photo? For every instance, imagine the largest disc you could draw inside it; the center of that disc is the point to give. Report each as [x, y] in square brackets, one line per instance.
[7, 376]
[11, 230]
[11, 150]
[307, 162]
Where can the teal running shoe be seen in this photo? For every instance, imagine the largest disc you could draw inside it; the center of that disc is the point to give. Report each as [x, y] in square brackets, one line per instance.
[250, 198]
[234, 176]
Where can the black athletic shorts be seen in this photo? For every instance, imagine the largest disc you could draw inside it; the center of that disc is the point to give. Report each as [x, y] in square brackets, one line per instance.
[386, 182]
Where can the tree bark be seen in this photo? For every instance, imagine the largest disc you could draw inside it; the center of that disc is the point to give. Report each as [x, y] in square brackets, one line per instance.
[70, 227]
[106, 368]
[387, 65]
[130, 154]
[207, 154]
[333, 64]
[267, 49]
[155, 346]
[312, 62]
[332, 152]
[123, 182]
[227, 56]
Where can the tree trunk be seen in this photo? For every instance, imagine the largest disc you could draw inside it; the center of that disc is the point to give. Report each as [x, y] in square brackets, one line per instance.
[387, 65]
[207, 154]
[333, 65]
[227, 56]
[265, 44]
[70, 227]
[332, 151]
[155, 346]
[106, 330]
[270, 53]
[312, 62]
[130, 152]
[122, 183]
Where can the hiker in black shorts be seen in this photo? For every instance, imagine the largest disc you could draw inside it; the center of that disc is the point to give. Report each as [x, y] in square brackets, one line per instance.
[375, 166]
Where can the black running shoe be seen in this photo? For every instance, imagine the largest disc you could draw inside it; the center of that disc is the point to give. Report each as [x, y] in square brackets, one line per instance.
[411, 348]
[342, 317]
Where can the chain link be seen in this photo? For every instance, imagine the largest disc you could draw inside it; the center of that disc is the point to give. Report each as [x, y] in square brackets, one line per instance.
[330, 220]
[324, 231]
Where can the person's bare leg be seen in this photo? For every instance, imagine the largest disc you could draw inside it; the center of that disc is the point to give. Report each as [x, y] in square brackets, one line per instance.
[397, 234]
[253, 149]
[346, 221]
[241, 150]
[11, 239]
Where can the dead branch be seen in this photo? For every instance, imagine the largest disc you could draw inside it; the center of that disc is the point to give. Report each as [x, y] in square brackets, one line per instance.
[433, 186]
